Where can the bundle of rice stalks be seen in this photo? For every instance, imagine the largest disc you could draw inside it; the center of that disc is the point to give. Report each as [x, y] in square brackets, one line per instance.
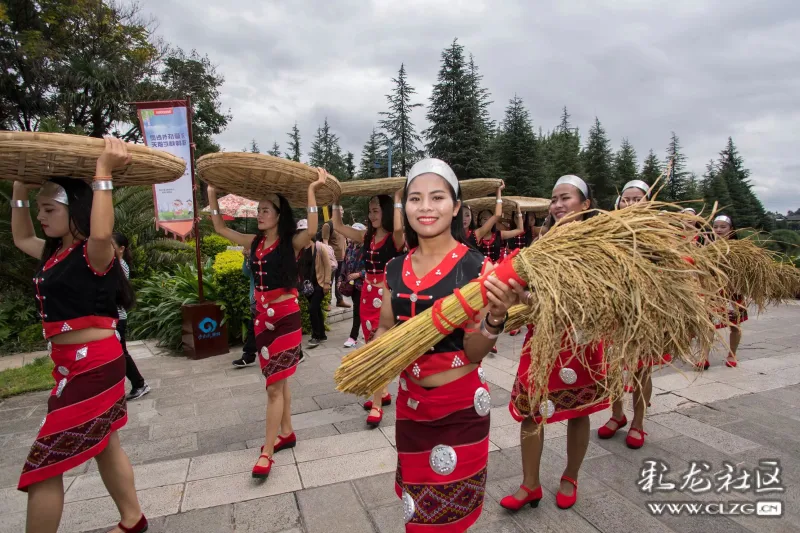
[755, 273]
[618, 277]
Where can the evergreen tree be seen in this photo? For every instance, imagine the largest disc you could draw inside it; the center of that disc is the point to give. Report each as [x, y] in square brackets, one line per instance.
[294, 144]
[625, 166]
[747, 209]
[458, 133]
[398, 127]
[597, 163]
[675, 188]
[351, 167]
[276, 149]
[651, 170]
[373, 159]
[326, 153]
[543, 167]
[566, 151]
[715, 189]
[253, 148]
[514, 147]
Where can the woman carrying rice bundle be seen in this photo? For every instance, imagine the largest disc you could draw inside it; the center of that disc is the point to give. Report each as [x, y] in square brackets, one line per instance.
[443, 402]
[737, 312]
[78, 286]
[633, 192]
[572, 385]
[273, 256]
[382, 240]
[492, 245]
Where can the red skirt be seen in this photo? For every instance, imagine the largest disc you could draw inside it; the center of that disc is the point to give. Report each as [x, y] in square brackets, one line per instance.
[737, 313]
[85, 407]
[369, 311]
[573, 390]
[279, 333]
[442, 439]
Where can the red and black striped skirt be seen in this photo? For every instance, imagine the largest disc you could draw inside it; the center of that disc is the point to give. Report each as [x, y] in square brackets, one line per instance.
[279, 334]
[85, 407]
[442, 439]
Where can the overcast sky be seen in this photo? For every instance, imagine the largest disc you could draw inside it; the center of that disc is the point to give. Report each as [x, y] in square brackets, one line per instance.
[704, 69]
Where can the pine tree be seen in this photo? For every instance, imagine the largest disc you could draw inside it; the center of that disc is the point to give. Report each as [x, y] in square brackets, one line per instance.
[326, 153]
[398, 127]
[566, 150]
[276, 149]
[747, 209]
[253, 148]
[543, 167]
[351, 167]
[294, 144]
[675, 187]
[625, 166]
[514, 147]
[651, 169]
[373, 160]
[457, 133]
[715, 189]
[597, 163]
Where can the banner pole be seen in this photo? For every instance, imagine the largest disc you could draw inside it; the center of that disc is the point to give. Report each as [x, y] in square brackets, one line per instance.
[196, 217]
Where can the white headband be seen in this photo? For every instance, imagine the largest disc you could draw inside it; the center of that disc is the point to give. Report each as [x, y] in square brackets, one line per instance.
[273, 199]
[723, 218]
[575, 181]
[433, 166]
[689, 210]
[54, 191]
[639, 184]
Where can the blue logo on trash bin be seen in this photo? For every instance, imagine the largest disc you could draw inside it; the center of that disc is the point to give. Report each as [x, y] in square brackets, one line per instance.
[208, 326]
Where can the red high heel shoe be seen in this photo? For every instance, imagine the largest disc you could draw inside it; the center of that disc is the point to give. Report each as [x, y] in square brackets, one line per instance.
[562, 500]
[262, 472]
[375, 421]
[140, 527]
[386, 400]
[605, 432]
[702, 366]
[635, 443]
[511, 503]
[730, 363]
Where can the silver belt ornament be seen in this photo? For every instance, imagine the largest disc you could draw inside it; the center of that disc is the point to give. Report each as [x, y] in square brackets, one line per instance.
[568, 376]
[443, 459]
[547, 409]
[482, 401]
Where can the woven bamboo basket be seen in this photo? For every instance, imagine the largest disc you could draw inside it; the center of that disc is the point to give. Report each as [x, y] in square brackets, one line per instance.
[510, 204]
[254, 176]
[372, 187]
[34, 157]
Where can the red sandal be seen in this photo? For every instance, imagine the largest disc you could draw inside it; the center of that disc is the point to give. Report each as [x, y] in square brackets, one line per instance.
[140, 527]
[284, 443]
[702, 366]
[635, 443]
[386, 400]
[730, 363]
[262, 472]
[375, 421]
[532, 497]
[562, 500]
[605, 432]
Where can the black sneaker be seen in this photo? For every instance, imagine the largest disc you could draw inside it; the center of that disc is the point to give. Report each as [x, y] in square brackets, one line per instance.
[242, 362]
[137, 393]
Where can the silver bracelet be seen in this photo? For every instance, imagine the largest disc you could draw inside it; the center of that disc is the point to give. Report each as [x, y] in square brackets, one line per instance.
[312, 209]
[336, 207]
[499, 201]
[527, 295]
[20, 203]
[102, 185]
[215, 212]
[486, 333]
[398, 206]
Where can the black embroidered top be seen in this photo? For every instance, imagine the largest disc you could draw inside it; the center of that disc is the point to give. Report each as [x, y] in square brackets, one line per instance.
[376, 255]
[492, 247]
[520, 241]
[266, 263]
[472, 240]
[71, 295]
[412, 295]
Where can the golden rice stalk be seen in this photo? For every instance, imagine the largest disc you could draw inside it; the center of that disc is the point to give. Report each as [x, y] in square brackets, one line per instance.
[618, 277]
[517, 317]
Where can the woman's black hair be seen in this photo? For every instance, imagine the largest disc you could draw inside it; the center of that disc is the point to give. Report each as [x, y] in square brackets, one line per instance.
[456, 225]
[79, 209]
[387, 217]
[122, 241]
[472, 224]
[287, 227]
[478, 218]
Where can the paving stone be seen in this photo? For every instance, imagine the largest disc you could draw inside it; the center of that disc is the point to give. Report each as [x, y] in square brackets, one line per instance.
[608, 511]
[507, 525]
[216, 519]
[258, 411]
[216, 438]
[389, 519]
[766, 436]
[170, 392]
[238, 487]
[347, 467]
[233, 462]
[319, 505]
[102, 512]
[336, 445]
[559, 446]
[327, 416]
[336, 399]
[190, 397]
[161, 448]
[267, 515]
[389, 432]
[194, 424]
[723, 441]
[500, 397]
[711, 392]
[504, 464]
[500, 378]
[710, 415]
[377, 491]
[680, 381]
[89, 486]
[18, 413]
[358, 424]
[164, 415]
[12, 501]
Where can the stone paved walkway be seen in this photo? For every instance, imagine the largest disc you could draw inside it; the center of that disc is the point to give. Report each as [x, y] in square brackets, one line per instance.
[194, 438]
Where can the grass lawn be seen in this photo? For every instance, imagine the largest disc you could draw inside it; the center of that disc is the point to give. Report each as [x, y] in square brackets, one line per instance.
[33, 377]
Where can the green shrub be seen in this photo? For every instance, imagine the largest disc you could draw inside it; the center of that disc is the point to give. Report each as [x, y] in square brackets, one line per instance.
[214, 244]
[31, 338]
[233, 288]
[17, 313]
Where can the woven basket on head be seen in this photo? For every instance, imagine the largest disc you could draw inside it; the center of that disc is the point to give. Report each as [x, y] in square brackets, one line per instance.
[511, 204]
[33, 157]
[254, 176]
[371, 187]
